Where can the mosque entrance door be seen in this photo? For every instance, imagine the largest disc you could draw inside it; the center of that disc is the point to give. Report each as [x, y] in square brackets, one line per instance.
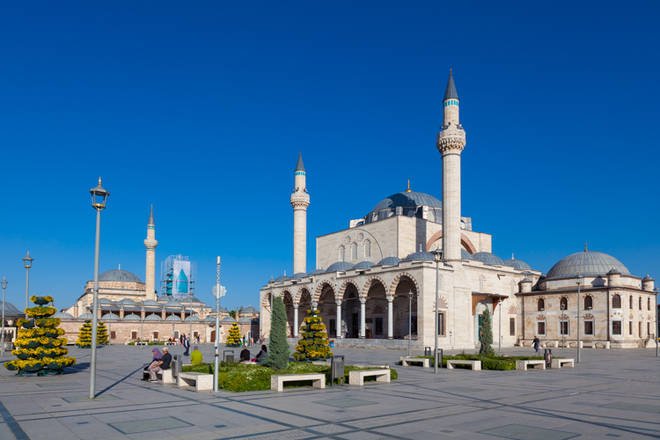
[354, 329]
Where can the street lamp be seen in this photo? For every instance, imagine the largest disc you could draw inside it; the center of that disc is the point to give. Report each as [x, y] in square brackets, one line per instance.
[657, 323]
[99, 199]
[27, 262]
[3, 283]
[437, 253]
[410, 295]
[580, 280]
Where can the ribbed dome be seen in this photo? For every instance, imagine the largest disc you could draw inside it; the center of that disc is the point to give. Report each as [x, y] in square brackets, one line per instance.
[587, 264]
[60, 315]
[119, 275]
[110, 317]
[487, 258]
[409, 201]
[282, 278]
[465, 255]
[153, 318]
[11, 310]
[316, 272]
[363, 265]
[389, 261]
[132, 317]
[517, 264]
[420, 256]
[339, 266]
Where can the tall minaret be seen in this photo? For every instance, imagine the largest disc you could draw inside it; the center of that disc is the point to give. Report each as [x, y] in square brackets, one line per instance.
[150, 243]
[300, 202]
[451, 141]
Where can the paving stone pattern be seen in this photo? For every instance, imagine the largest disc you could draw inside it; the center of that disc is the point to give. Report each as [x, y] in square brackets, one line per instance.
[611, 394]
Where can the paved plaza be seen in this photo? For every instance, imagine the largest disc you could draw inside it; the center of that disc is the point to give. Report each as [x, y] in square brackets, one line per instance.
[611, 394]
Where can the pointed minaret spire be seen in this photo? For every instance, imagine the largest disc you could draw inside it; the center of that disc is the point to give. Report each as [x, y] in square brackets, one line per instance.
[300, 166]
[151, 216]
[585, 246]
[450, 91]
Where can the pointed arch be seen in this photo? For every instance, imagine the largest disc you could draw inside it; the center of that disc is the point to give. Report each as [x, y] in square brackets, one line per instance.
[303, 294]
[466, 243]
[320, 287]
[368, 284]
[442, 303]
[398, 279]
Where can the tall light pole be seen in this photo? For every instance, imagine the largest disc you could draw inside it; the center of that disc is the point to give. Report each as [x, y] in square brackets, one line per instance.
[99, 199]
[438, 257]
[410, 294]
[657, 324]
[3, 283]
[218, 294]
[27, 262]
[499, 348]
[580, 280]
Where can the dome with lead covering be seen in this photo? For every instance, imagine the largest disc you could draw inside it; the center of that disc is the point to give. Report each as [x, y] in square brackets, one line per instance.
[389, 261]
[420, 256]
[339, 266]
[317, 272]
[517, 264]
[409, 202]
[363, 265]
[119, 275]
[586, 264]
[132, 317]
[487, 258]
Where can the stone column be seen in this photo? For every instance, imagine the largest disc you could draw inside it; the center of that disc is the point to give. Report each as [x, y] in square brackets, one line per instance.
[363, 317]
[390, 317]
[295, 320]
[338, 329]
[121, 312]
[162, 313]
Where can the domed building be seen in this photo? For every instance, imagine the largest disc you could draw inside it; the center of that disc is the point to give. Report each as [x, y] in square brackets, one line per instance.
[383, 271]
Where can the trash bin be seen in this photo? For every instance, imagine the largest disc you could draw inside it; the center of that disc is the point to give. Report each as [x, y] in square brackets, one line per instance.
[427, 351]
[176, 366]
[547, 355]
[337, 369]
[438, 357]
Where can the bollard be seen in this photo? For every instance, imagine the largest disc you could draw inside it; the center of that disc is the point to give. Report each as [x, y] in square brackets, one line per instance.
[438, 357]
[228, 355]
[176, 366]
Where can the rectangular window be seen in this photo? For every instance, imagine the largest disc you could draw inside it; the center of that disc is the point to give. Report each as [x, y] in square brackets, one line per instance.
[563, 328]
[616, 327]
[639, 328]
[155, 335]
[113, 335]
[648, 328]
[133, 335]
[540, 326]
[630, 328]
[512, 326]
[588, 328]
[441, 323]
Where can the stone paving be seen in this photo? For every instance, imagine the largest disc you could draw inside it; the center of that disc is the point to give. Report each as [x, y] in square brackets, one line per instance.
[611, 394]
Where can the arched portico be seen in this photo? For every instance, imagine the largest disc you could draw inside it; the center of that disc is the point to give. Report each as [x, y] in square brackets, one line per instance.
[404, 301]
[328, 309]
[304, 304]
[288, 305]
[350, 312]
[376, 311]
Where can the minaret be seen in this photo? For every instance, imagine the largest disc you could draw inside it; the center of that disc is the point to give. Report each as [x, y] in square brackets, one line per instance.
[150, 243]
[300, 202]
[451, 141]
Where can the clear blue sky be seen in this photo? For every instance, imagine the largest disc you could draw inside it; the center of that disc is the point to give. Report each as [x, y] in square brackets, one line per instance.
[201, 109]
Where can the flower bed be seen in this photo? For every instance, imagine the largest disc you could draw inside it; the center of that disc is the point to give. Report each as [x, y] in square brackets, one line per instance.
[487, 362]
[249, 377]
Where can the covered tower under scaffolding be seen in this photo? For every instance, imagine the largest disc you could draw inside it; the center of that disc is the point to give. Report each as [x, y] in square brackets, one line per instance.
[178, 277]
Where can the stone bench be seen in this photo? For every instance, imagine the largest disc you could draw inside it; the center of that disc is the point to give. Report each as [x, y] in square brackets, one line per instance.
[474, 365]
[201, 381]
[563, 363]
[141, 343]
[407, 360]
[535, 364]
[165, 376]
[356, 377]
[277, 380]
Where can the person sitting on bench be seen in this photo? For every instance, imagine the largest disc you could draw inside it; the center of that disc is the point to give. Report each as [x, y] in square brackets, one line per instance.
[162, 364]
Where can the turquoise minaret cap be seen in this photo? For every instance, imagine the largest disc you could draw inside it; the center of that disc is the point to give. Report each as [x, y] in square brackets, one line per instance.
[299, 165]
[450, 92]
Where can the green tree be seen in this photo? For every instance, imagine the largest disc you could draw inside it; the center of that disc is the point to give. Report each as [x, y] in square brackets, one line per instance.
[40, 349]
[485, 334]
[234, 336]
[85, 334]
[314, 342]
[278, 348]
[233, 314]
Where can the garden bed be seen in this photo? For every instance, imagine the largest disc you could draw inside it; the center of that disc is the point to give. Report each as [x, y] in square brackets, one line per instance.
[250, 377]
[487, 362]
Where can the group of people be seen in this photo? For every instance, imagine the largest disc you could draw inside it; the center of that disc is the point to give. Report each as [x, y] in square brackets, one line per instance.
[245, 357]
[162, 361]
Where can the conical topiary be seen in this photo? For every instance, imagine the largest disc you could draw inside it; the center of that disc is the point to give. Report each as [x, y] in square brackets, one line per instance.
[485, 334]
[278, 347]
[314, 342]
[234, 336]
[40, 349]
[85, 334]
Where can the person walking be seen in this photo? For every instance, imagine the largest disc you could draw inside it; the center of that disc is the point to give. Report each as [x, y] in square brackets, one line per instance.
[186, 345]
[536, 342]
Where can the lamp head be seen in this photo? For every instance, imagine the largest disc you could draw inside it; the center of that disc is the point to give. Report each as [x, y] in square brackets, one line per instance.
[437, 254]
[3, 283]
[27, 260]
[99, 196]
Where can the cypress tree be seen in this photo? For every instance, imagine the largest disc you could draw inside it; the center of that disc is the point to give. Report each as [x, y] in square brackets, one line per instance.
[278, 348]
[486, 334]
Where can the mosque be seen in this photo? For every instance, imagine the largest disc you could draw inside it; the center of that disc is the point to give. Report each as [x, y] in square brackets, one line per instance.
[375, 282]
[132, 310]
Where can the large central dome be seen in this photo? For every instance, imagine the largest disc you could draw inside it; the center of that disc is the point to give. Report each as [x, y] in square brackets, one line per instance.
[587, 264]
[409, 202]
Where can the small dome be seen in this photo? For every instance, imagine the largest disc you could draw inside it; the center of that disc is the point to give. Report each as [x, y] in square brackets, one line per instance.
[648, 278]
[107, 301]
[517, 264]
[173, 318]
[110, 317]
[171, 302]
[408, 201]
[339, 266]
[209, 319]
[299, 275]
[465, 255]
[282, 278]
[249, 309]
[60, 315]
[119, 275]
[132, 317]
[153, 318]
[86, 316]
[11, 310]
[150, 302]
[389, 261]
[127, 301]
[245, 320]
[586, 264]
[192, 318]
[363, 265]
[487, 258]
[420, 256]
[316, 272]
[228, 319]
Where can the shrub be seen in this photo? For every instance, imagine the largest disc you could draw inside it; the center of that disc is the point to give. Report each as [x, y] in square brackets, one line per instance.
[314, 344]
[234, 336]
[278, 347]
[485, 335]
[85, 334]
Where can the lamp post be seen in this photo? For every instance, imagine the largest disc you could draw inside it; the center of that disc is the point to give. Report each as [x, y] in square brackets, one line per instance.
[438, 257]
[499, 336]
[27, 262]
[218, 294]
[657, 324]
[410, 294]
[3, 283]
[580, 280]
[99, 199]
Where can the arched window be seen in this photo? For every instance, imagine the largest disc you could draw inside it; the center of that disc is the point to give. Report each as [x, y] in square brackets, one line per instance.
[616, 302]
[342, 253]
[588, 303]
[541, 305]
[354, 251]
[648, 304]
[631, 300]
[367, 249]
[640, 303]
[563, 303]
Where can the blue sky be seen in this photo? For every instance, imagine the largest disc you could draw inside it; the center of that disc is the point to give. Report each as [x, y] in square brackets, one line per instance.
[201, 109]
